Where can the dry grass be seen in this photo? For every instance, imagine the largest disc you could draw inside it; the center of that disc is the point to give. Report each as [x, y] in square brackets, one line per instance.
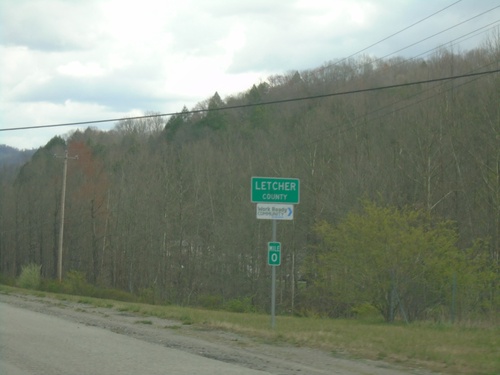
[451, 349]
[445, 348]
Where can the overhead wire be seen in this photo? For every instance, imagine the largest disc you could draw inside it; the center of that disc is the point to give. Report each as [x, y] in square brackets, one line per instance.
[248, 105]
[312, 97]
[476, 75]
[348, 128]
[408, 105]
[438, 33]
[93, 122]
[452, 42]
[394, 34]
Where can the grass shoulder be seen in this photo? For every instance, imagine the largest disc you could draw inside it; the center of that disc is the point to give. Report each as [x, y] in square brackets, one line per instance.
[461, 348]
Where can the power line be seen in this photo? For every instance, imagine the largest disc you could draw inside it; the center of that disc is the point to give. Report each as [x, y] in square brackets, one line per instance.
[452, 42]
[273, 102]
[194, 111]
[345, 129]
[396, 33]
[277, 101]
[442, 31]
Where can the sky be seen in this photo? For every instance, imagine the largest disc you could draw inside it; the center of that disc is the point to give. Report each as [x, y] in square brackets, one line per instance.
[65, 61]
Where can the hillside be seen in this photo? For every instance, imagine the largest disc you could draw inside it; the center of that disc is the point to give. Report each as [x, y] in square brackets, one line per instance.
[12, 156]
[161, 207]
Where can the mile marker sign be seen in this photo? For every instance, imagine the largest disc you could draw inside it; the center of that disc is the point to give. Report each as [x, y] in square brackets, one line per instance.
[275, 190]
[274, 253]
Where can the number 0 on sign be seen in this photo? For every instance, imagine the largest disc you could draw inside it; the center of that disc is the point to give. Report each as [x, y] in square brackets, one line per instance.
[274, 253]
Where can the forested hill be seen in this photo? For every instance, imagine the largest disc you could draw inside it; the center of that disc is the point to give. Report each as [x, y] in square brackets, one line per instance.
[11, 159]
[161, 206]
[13, 156]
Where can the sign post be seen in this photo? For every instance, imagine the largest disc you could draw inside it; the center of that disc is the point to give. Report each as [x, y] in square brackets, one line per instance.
[275, 198]
[273, 282]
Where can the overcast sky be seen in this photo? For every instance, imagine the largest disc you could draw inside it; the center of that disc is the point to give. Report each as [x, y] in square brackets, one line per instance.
[79, 60]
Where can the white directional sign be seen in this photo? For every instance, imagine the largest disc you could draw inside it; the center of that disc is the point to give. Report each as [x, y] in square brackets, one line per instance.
[274, 211]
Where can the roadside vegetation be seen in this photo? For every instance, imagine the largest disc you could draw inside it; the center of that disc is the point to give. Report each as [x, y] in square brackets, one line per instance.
[399, 195]
[394, 249]
[460, 348]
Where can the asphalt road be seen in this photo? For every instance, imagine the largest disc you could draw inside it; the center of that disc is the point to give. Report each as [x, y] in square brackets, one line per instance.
[34, 343]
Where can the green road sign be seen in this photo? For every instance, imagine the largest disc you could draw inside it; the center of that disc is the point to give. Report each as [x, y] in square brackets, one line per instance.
[274, 253]
[275, 190]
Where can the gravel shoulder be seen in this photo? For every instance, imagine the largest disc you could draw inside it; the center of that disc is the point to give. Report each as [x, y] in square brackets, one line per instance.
[215, 344]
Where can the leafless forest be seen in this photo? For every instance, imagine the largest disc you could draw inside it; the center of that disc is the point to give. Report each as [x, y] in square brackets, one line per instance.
[160, 207]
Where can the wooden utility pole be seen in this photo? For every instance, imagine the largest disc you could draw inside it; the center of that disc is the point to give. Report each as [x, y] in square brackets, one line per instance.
[61, 225]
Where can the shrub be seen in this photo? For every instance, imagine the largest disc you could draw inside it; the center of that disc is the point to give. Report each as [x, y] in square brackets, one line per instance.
[76, 283]
[52, 286]
[212, 302]
[148, 295]
[240, 305]
[365, 311]
[7, 280]
[30, 276]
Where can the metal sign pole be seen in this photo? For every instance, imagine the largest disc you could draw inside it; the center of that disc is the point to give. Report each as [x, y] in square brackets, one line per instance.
[275, 198]
[273, 285]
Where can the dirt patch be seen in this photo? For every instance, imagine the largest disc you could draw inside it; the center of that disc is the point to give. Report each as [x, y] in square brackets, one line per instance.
[215, 344]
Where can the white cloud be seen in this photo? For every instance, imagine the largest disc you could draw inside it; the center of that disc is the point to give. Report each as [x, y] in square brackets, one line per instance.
[78, 69]
[44, 113]
[69, 61]
[50, 25]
